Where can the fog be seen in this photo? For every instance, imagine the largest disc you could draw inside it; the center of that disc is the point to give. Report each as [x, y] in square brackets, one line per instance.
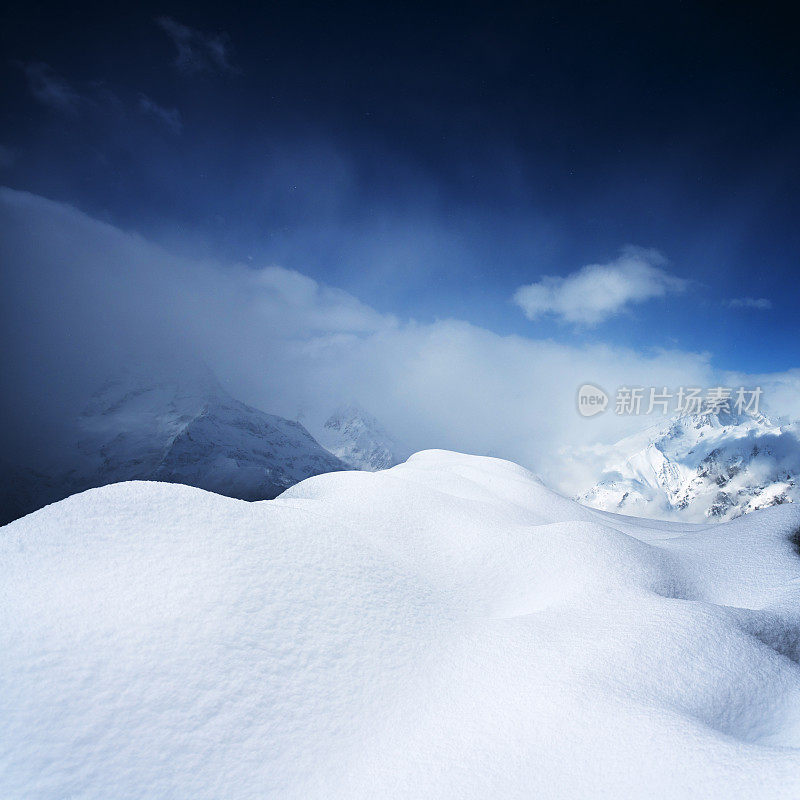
[82, 298]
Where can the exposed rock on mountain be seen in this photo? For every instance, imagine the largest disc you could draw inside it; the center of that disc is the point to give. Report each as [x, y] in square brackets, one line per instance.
[176, 429]
[358, 439]
[716, 465]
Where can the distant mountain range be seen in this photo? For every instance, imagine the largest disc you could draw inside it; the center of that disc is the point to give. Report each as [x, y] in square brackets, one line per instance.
[188, 429]
[358, 439]
[716, 465]
[176, 429]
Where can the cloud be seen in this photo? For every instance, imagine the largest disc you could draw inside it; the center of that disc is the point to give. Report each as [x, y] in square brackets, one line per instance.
[758, 303]
[49, 88]
[170, 117]
[598, 291]
[54, 91]
[196, 51]
[83, 297]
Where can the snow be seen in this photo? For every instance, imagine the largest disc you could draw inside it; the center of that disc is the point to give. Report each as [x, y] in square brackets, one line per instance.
[445, 628]
[181, 427]
[357, 438]
[701, 466]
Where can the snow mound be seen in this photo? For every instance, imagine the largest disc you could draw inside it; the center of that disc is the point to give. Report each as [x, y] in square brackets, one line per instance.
[445, 628]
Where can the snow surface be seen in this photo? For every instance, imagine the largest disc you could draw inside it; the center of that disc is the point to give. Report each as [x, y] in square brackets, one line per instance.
[446, 628]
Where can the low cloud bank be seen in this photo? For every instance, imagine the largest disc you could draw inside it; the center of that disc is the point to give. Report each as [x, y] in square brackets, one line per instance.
[82, 298]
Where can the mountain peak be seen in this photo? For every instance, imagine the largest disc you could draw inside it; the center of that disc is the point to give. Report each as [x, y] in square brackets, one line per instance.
[176, 425]
[712, 465]
[356, 437]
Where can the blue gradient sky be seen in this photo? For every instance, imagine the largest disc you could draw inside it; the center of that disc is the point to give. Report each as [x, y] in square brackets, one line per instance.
[431, 159]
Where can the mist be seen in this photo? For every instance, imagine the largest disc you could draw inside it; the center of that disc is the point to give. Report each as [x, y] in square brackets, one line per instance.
[83, 299]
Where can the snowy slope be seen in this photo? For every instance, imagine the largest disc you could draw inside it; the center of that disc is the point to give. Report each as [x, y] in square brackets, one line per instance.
[176, 427]
[357, 438]
[711, 465]
[447, 628]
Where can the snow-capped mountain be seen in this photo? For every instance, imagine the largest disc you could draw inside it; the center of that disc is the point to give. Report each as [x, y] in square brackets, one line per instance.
[175, 428]
[358, 439]
[715, 465]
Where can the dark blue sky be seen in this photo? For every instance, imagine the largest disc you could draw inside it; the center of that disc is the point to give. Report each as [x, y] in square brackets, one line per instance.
[431, 159]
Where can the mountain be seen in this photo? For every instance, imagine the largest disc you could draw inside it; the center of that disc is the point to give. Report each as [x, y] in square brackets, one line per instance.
[358, 439]
[174, 428]
[449, 628]
[715, 465]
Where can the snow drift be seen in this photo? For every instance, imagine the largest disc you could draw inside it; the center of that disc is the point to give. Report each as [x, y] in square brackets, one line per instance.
[445, 628]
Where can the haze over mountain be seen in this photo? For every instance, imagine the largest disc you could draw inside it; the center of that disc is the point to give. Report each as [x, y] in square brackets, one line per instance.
[357, 438]
[82, 296]
[178, 426]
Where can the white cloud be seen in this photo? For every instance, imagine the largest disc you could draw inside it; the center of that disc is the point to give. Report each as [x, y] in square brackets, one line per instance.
[84, 297]
[52, 90]
[49, 88]
[170, 117]
[598, 291]
[197, 51]
[758, 303]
